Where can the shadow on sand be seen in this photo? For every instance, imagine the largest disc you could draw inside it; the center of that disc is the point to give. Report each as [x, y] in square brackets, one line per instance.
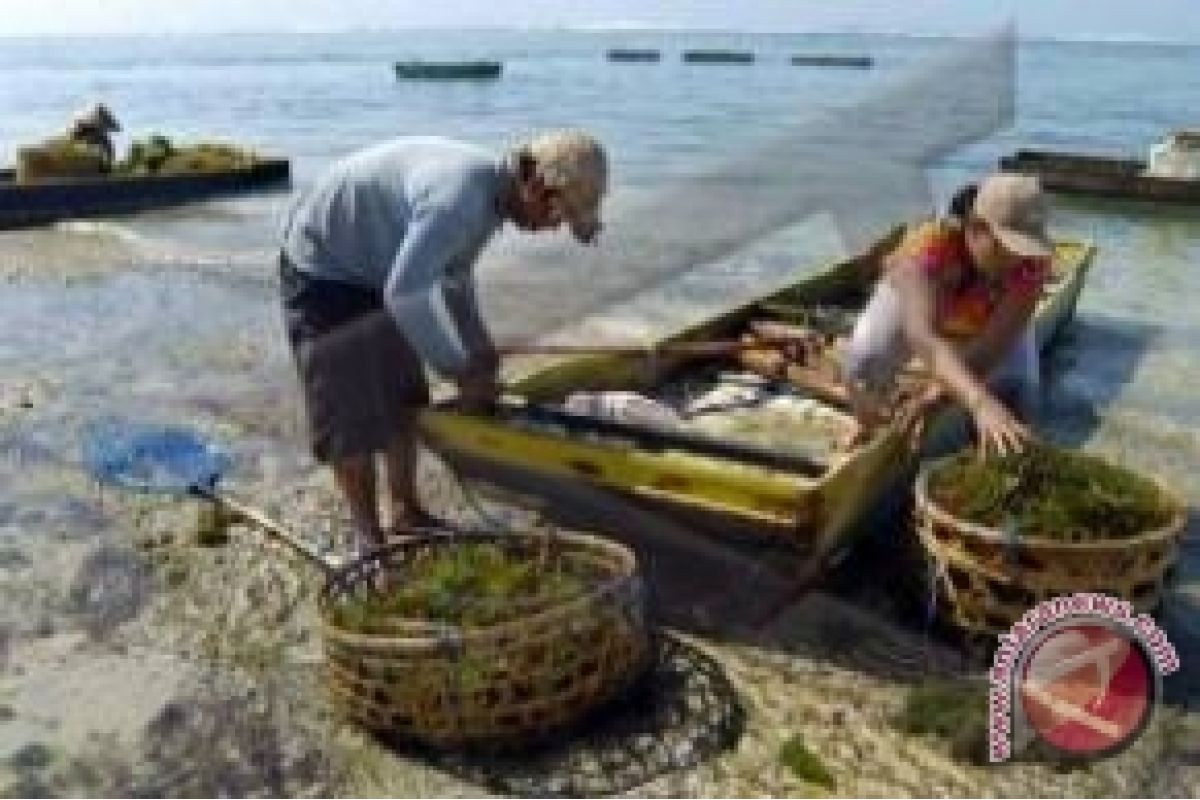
[683, 712]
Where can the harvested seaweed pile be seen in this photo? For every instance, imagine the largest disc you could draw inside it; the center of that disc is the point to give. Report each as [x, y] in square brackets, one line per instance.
[1051, 493]
[158, 155]
[59, 158]
[472, 584]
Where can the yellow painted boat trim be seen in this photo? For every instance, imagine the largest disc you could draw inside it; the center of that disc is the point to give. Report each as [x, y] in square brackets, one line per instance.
[769, 495]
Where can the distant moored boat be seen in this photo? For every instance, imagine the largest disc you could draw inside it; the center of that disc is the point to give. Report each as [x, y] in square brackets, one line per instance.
[448, 70]
[857, 62]
[50, 199]
[1102, 176]
[718, 57]
[625, 54]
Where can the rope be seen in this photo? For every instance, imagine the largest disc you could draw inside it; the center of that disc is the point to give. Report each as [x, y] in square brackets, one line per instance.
[937, 574]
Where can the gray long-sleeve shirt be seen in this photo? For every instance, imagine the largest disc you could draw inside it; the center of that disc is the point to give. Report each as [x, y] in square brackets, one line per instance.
[407, 217]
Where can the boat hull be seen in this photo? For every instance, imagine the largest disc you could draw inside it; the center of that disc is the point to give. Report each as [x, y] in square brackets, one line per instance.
[448, 71]
[1099, 176]
[809, 506]
[26, 204]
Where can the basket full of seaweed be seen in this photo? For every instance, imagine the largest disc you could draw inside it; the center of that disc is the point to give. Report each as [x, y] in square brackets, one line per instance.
[491, 641]
[445, 637]
[1006, 533]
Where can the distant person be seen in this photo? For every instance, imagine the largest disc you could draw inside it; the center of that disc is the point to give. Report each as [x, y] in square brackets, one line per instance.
[376, 269]
[959, 293]
[94, 127]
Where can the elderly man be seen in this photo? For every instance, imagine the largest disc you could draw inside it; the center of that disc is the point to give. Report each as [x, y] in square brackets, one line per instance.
[376, 269]
[94, 127]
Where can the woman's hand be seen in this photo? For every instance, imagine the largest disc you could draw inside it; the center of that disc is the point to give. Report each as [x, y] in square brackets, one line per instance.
[1000, 433]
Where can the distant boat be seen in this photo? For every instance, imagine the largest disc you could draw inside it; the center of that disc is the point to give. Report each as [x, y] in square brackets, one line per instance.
[621, 54]
[718, 57]
[448, 70]
[53, 199]
[1101, 176]
[856, 62]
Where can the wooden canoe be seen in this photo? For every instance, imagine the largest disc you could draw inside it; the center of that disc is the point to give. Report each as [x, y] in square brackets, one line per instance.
[718, 57]
[830, 60]
[1100, 176]
[810, 504]
[448, 70]
[628, 55]
[51, 200]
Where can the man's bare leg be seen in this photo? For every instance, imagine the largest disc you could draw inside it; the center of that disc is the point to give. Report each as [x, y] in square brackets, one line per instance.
[356, 478]
[402, 479]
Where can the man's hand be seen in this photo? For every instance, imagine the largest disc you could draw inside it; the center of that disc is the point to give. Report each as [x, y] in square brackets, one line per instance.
[478, 393]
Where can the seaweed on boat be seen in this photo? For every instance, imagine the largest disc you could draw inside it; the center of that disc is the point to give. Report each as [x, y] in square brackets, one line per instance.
[158, 155]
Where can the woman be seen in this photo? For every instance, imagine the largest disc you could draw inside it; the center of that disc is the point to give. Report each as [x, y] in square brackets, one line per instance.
[959, 294]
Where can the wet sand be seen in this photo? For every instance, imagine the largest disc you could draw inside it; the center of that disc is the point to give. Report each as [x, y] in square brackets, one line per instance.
[137, 661]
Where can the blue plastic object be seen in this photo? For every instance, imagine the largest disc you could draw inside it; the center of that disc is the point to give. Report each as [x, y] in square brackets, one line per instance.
[147, 458]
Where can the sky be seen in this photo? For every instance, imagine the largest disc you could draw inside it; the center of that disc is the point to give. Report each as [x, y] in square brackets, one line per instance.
[1171, 20]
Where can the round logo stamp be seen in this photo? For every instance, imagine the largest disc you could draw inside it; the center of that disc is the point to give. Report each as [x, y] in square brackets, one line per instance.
[1087, 687]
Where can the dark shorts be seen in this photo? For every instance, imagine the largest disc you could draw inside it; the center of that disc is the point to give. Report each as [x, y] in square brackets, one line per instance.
[362, 381]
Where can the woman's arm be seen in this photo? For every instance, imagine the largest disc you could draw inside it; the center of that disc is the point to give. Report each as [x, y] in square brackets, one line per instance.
[987, 350]
[941, 358]
[998, 429]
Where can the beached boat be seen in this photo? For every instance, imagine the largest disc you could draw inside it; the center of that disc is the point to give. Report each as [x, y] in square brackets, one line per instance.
[802, 491]
[448, 70]
[49, 200]
[718, 57]
[821, 60]
[1101, 176]
[629, 55]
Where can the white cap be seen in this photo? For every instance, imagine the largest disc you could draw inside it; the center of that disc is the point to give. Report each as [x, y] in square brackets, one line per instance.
[1015, 208]
[573, 163]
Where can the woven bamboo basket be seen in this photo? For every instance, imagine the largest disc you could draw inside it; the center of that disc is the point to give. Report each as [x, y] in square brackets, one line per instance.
[987, 579]
[501, 686]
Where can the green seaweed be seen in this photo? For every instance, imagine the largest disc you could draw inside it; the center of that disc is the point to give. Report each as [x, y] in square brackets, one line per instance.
[471, 584]
[32, 756]
[157, 154]
[953, 711]
[177, 575]
[1052, 493]
[805, 764]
